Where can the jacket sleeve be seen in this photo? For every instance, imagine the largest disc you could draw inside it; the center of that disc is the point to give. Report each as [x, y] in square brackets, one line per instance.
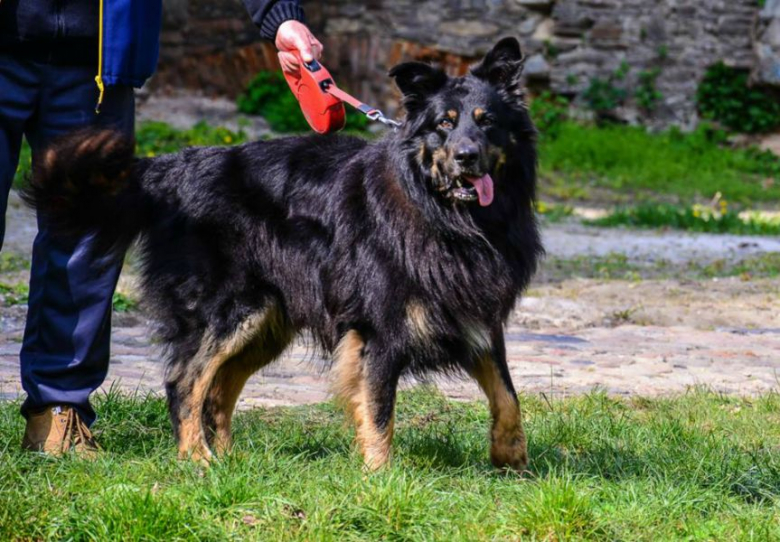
[268, 15]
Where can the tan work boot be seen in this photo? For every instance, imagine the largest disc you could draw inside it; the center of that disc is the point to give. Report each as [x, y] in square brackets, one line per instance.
[58, 430]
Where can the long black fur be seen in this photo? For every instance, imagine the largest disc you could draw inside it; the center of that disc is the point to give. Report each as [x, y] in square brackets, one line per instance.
[341, 233]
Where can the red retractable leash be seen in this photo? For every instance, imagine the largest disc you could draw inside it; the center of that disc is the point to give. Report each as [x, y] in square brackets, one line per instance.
[322, 102]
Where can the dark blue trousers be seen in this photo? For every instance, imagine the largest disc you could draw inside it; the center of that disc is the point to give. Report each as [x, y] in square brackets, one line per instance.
[65, 352]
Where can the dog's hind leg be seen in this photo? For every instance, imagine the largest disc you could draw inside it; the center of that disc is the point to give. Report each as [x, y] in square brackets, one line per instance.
[231, 377]
[508, 443]
[189, 383]
[221, 401]
[367, 389]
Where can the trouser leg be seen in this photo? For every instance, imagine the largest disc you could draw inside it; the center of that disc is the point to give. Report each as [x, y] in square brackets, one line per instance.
[65, 352]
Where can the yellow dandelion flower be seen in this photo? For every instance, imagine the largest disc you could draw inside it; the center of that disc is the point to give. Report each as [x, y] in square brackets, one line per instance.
[150, 154]
[228, 139]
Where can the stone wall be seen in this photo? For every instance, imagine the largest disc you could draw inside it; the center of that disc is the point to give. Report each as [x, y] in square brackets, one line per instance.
[213, 46]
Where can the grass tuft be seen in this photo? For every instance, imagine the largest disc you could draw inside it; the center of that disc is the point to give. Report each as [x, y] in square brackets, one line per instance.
[618, 266]
[696, 218]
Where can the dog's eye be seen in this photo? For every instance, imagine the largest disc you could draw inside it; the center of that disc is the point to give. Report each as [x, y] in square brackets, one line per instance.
[446, 124]
[487, 120]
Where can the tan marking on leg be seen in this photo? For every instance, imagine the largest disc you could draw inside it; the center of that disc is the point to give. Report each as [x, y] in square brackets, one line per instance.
[352, 390]
[508, 444]
[221, 401]
[211, 356]
[417, 320]
[269, 343]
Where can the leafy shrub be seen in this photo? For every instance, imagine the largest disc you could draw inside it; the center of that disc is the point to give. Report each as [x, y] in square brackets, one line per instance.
[548, 111]
[647, 96]
[605, 95]
[725, 96]
[269, 96]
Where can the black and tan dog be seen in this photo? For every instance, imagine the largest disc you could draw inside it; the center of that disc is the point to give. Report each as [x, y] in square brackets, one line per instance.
[400, 256]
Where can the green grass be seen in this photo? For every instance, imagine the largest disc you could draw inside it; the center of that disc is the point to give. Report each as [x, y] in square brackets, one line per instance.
[25, 164]
[553, 212]
[695, 467]
[617, 266]
[153, 138]
[123, 303]
[627, 161]
[14, 294]
[11, 262]
[696, 218]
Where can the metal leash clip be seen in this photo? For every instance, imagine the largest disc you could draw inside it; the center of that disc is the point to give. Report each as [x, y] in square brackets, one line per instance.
[378, 116]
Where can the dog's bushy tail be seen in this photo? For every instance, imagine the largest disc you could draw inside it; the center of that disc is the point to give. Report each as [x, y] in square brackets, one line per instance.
[86, 182]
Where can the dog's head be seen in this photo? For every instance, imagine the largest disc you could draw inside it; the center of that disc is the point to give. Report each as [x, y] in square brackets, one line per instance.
[460, 130]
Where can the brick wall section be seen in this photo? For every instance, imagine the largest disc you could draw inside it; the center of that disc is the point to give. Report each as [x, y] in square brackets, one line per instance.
[212, 45]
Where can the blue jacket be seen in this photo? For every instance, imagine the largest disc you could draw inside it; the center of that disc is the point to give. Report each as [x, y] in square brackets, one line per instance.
[127, 43]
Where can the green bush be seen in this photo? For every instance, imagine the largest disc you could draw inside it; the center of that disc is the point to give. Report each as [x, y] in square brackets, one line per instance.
[647, 95]
[725, 96]
[605, 95]
[269, 96]
[548, 111]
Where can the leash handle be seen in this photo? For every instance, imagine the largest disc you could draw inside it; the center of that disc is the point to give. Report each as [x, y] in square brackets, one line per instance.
[322, 101]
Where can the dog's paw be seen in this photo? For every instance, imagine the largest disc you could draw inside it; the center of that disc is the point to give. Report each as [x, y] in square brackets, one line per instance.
[511, 455]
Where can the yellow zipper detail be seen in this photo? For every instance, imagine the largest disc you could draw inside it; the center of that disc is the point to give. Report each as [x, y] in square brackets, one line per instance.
[99, 77]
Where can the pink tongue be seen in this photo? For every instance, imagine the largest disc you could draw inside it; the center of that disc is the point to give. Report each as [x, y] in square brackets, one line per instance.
[484, 187]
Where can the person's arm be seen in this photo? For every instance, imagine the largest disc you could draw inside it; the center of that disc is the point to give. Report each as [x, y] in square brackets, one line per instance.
[282, 21]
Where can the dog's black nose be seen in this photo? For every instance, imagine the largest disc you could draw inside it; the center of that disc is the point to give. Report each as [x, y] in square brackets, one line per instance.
[467, 154]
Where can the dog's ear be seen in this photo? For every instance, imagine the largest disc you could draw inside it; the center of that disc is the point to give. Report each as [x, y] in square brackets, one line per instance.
[417, 81]
[502, 66]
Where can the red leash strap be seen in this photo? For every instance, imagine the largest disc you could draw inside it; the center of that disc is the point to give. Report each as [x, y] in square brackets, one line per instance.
[371, 112]
[322, 102]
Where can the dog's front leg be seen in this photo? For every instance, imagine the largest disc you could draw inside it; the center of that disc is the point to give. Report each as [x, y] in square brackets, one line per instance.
[366, 385]
[507, 438]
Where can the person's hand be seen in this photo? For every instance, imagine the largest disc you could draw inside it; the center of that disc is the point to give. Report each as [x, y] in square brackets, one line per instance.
[294, 36]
